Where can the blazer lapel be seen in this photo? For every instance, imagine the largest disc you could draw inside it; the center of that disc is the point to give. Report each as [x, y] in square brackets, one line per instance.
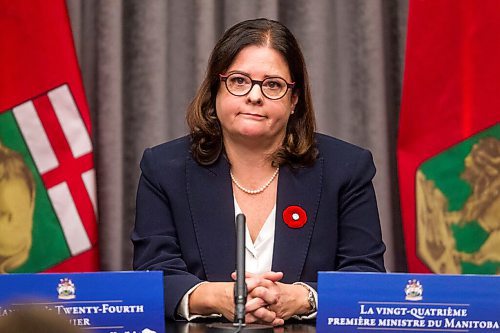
[301, 188]
[210, 199]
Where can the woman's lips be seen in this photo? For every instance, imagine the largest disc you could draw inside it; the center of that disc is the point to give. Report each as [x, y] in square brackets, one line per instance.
[252, 115]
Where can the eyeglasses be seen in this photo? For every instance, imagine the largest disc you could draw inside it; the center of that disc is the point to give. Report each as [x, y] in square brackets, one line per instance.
[239, 84]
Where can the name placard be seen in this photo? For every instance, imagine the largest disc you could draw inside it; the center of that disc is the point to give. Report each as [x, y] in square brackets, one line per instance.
[378, 302]
[103, 302]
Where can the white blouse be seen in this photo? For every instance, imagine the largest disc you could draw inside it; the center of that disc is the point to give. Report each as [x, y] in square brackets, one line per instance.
[258, 260]
[259, 254]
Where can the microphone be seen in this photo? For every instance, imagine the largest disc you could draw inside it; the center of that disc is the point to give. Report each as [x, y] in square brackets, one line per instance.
[240, 291]
[240, 287]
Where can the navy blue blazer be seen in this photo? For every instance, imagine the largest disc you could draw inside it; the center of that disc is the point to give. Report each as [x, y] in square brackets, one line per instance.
[185, 217]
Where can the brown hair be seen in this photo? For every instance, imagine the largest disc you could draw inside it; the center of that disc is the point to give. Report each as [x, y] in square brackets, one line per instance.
[299, 147]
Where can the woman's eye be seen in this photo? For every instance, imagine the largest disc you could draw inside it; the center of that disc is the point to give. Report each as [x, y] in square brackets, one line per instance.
[274, 85]
[238, 80]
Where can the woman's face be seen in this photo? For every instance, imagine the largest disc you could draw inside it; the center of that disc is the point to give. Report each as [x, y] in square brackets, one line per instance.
[253, 116]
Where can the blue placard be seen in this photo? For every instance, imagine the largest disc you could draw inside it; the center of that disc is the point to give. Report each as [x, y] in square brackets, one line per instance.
[379, 302]
[103, 302]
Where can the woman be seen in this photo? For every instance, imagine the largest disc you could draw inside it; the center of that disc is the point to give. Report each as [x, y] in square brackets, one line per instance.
[308, 198]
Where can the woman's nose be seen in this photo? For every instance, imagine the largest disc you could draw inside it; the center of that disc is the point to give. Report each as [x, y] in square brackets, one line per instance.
[255, 95]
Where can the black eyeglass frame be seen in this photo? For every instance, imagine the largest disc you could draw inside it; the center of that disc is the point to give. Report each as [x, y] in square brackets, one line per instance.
[223, 78]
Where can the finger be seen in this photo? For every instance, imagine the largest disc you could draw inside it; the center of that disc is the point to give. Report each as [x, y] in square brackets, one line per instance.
[254, 282]
[278, 322]
[254, 303]
[264, 315]
[258, 281]
[266, 294]
[250, 318]
[273, 276]
[247, 275]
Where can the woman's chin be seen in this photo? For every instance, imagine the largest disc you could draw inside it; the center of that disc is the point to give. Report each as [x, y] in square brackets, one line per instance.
[250, 131]
[255, 135]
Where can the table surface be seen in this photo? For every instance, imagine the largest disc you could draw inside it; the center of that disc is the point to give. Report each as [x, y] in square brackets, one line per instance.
[190, 327]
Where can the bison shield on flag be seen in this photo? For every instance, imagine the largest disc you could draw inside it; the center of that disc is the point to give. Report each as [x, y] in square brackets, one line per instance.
[47, 181]
[449, 137]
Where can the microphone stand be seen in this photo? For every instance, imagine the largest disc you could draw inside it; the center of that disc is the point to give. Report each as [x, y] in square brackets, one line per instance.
[240, 290]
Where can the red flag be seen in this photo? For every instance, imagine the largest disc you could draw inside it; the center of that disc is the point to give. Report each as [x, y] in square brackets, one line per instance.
[449, 137]
[47, 178]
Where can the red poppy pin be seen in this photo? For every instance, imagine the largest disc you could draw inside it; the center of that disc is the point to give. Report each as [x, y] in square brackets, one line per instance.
[295, 217]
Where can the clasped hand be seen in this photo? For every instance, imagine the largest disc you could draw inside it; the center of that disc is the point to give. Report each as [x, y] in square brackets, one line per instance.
[270, 301]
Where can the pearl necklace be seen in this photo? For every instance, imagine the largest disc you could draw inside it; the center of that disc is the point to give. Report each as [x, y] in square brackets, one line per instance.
[260, 189]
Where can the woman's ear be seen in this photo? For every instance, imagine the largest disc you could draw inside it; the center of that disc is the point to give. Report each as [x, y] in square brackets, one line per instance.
[295, 100]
